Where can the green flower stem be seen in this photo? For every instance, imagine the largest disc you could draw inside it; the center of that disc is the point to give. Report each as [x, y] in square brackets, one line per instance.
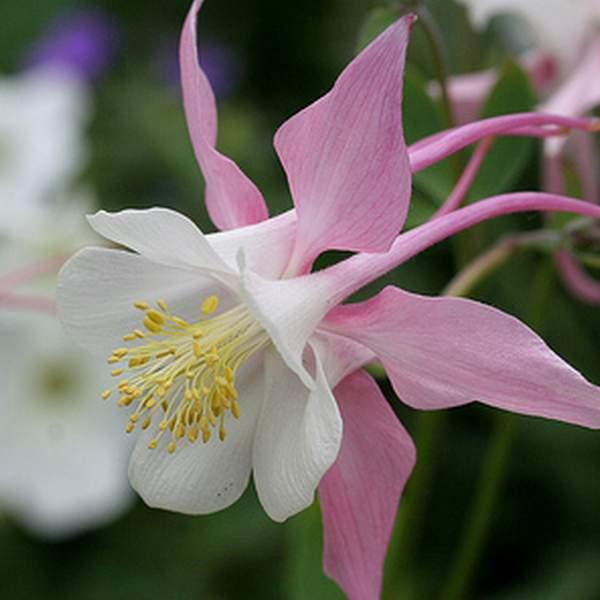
[482, 510]
[438, 56]
[429, 431]
[494, 472]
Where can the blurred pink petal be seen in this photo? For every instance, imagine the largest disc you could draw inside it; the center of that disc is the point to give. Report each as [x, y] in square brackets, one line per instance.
[360, 493]
[345, 155]
[232, 199]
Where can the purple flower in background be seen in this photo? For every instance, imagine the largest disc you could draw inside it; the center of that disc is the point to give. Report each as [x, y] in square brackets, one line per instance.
[218, 62]
[82, 42]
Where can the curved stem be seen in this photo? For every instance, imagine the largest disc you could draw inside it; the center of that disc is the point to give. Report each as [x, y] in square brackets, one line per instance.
[431, 31]
[461, 188]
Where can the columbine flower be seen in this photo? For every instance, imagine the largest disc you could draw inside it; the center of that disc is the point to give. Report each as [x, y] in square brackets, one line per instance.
[42, 118]
[233, 359]
[62, 469]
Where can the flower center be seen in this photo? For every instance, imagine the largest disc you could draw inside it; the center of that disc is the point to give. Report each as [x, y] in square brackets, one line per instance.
[182, 375]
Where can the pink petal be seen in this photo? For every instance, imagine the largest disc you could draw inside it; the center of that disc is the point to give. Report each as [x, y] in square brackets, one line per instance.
[578, 95]
[434, 148]
[345, 156]
[468, 92]
[443, 352]
[573, 275]
[360, 493]
[231, 198]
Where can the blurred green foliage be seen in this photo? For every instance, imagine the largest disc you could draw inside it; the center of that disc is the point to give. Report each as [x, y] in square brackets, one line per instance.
[545, 538]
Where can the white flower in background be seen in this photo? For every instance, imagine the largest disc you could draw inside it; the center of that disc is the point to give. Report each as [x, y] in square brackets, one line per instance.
[62, 468]
[559, 27]
[63, 463]
[43, 114]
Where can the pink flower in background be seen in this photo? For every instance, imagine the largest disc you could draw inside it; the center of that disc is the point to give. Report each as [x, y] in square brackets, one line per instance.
[236, 359]
[564, 70]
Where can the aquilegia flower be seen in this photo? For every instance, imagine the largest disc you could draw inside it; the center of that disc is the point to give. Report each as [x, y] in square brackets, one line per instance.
[233, 358]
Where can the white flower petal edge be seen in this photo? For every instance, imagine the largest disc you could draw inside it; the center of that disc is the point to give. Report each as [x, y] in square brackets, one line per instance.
[162, 236]
[201, 478]
[298, 438]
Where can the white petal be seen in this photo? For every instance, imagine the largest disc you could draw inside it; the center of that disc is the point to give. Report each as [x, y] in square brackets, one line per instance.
[266, 245]
[162, 236]
[289, 310]
[97, 288]
[201, 478]
[297, 440]
[64, 457]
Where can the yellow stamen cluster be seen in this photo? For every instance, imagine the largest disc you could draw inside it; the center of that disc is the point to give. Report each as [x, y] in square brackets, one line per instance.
[180, 375]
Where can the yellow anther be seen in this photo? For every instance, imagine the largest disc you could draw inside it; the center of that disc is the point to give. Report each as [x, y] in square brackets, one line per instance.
[180, 431]
[120, 352]
[165, 353]
[162, 304]
[212, 418]
[138, 333]
[129, 337]
[126, 400]
[197, 349]
[150, 403]
[124, 383]
[197, 335]
[117, 372]
[141, 305]
[155, 316]
[152, 444]
[171, 447]
[222, 433]
[106, 394]
[210, 305]
[235, 409]
[193, 434]
[163, 424]
[206, 435]
[134, 418]
[151, 325]
[130, 427]
[113, 360]
[147, 422]
[181, 322]
[188, 394]
[229, 374]
[204, 422]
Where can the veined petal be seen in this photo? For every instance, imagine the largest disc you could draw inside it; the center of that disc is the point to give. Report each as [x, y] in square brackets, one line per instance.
[297, 440]
[339, 355]
[289, 310]
[442, 352]
[267, 245]
[98, 286]
[232, 199]
[162, 236]
[346, 159]
[360, 493]
[201, 478]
